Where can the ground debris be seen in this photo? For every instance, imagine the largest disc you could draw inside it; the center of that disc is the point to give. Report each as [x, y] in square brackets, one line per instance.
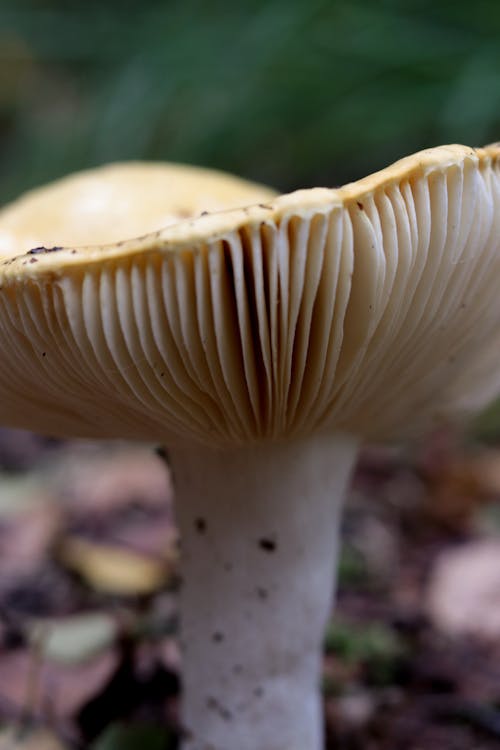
[89, 649]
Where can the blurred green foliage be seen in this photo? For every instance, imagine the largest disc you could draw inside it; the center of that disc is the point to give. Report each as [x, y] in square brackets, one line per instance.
[486, 426]
[353, 571]
[134, 737]
[374, 646]
[289, 92]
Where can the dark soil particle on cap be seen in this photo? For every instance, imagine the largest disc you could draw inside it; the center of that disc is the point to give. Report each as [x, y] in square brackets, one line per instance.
[200, 525]
[162, 454]
[214, 705]
[360, 205]
[268, 544]
[41, 250]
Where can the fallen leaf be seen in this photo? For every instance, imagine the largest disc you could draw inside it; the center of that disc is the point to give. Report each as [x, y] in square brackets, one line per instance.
[106, 482]
[75, 639]
[113, 569]
[27, 536]
[353, 710]
[21, 494]
[486, 466]
[48, 689]
[463, 596]
[21, 739]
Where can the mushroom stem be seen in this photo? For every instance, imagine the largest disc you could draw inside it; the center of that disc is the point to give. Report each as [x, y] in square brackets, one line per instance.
[259, 529]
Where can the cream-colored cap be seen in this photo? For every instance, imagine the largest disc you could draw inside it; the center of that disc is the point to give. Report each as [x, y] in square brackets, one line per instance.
[359, 309]
[117, 202]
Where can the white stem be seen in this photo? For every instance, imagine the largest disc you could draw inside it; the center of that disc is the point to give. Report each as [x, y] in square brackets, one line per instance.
[259, 529]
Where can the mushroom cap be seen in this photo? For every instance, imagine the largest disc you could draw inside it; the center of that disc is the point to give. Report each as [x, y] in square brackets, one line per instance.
[360, 309]
[119, 201]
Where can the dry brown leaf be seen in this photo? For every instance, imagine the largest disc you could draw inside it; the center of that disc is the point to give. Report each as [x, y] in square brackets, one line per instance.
[486, 466]
[26, 538]
[51, 690]
[454, 495]
[105, 482]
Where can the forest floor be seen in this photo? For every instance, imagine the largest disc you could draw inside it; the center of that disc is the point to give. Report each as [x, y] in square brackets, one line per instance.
[89, 655]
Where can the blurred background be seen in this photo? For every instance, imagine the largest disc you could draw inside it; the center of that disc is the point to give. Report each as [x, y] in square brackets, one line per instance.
[293, 93]
[288, 92]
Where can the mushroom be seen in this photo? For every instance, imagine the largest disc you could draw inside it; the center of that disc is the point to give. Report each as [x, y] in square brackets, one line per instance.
[261, 345]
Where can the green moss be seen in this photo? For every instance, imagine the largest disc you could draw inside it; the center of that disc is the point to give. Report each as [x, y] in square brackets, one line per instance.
[376, 648]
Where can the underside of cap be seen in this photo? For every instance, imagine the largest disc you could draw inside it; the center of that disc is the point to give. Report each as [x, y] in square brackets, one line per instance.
[359, 309]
